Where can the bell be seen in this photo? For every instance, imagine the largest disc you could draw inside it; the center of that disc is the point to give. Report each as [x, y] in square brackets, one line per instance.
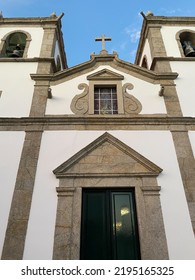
[188, 49]
[16, 51]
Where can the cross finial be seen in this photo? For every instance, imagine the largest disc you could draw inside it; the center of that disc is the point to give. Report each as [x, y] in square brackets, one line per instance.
[103, 39]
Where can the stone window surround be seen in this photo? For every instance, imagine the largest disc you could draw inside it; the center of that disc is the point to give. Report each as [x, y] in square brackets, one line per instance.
[28, 39]
[117, 84]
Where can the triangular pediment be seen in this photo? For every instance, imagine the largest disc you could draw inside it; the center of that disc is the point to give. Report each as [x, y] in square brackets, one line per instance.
[107, 156]
[105, 74]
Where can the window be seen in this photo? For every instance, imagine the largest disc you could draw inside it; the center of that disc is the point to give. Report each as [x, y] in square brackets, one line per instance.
[105, 100]
[109, 226]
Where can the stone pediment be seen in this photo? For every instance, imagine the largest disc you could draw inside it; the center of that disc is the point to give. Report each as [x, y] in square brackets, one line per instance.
[107, 156]
[105, 74]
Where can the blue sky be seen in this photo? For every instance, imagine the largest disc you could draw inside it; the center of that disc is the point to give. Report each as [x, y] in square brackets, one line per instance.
[84, 20]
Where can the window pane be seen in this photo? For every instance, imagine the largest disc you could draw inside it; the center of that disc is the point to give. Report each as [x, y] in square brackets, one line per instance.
[105, 96]
[96, 96]
[115, 107]
[96, 105]
[124, 227]
[105, 100]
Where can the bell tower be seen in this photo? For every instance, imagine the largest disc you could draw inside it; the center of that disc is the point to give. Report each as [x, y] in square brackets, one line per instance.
[28, 46]
[168, 45]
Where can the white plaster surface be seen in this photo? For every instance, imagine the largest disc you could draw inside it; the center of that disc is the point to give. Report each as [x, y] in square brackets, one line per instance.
[17, 88]
[11, 144]
[185, 86]
[157, 146]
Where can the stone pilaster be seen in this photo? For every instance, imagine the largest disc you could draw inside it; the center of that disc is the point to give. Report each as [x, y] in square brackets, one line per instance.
[157, 48]
[40, 95]
[154, 246]
[187, 168]
[64, 221]
[22, 197]
[39, 100]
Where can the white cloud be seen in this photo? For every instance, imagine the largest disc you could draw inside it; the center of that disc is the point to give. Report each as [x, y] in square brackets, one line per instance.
[123, 46]
[133, 33]
[170, 12]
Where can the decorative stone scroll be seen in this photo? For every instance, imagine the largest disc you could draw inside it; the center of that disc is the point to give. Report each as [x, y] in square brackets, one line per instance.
[80, 103]
[131, 104]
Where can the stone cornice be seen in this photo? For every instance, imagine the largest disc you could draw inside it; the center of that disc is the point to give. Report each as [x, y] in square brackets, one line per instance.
[170, 20]
[21, 59]
[30, 60]
[160, 122]
[40, 21]
[170, 58]
[109, 59]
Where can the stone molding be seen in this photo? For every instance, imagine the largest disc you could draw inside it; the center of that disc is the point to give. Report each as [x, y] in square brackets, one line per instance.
[111, 60]
[131, 104]
[105, 74]
[139, 122]
[80, 103]
[146, 167]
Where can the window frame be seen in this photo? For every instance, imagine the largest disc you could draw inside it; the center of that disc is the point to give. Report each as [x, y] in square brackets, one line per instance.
[105, 83]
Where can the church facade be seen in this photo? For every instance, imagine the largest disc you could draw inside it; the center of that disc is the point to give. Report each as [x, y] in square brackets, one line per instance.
[97, 160]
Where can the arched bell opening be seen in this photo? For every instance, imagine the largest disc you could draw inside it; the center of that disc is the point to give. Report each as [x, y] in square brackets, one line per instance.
[187, 40]
[144, 62]
[14, 45]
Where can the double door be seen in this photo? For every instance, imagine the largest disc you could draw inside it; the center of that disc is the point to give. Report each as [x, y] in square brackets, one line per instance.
[109, 225]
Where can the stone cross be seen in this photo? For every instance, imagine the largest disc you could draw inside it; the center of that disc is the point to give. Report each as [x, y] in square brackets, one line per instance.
[103, 39]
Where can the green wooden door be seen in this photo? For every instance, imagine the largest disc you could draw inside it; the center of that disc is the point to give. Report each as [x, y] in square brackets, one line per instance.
[109, 226]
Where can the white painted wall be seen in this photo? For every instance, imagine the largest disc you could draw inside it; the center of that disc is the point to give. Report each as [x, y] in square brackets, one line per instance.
[185, 86]
[145, 92]
[17, 88]
[11, 144]
[36, 38]
[58, 146]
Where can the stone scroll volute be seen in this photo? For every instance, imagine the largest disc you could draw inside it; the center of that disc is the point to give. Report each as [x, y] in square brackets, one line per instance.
[80, 103]
[131, 104]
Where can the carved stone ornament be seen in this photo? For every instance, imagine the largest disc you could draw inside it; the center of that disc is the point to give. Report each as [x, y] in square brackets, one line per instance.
[80, 103]
[131, 104]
